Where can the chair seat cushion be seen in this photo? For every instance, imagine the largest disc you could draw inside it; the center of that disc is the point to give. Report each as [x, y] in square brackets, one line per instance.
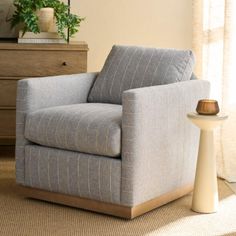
[93, 128]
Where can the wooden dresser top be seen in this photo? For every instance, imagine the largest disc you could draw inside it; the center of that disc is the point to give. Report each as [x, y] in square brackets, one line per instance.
[80, 46]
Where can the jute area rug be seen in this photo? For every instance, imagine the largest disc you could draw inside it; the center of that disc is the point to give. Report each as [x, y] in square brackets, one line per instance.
[232, 186]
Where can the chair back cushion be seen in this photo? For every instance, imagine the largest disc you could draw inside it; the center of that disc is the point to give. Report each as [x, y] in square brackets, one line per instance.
[129, 67]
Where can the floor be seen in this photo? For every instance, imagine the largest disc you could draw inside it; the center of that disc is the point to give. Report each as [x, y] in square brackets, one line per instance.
[22, 216]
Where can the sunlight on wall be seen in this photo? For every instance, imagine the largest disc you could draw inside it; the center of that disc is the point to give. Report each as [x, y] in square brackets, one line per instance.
[154, 23]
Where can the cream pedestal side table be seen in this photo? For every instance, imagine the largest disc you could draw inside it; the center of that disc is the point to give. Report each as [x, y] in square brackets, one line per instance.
[205, 193]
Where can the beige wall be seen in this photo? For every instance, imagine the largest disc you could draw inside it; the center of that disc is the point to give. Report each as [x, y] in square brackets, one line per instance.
[158, 23]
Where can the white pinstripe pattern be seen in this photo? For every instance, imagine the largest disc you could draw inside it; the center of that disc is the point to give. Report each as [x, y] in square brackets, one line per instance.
[29, 169]
[99, 179]
[78, 178]
[20, 117]
[48, 170]
[38, 167]
[167, 70]
[155, 72]
[106, 137]
[77, 127]
[97, 128]
[184, 74]
[29, 124]
[88, 127]
[30, 98]
[97, 134]
[135, 71]
[151, 101]
[144, 64]
[56, 130]
[89, 179]
[127, 65]
[104, 76]
[62, 121]
[129, 160]
[117, 69]
[141, 85]
[41, 117]
[58, 123]
[58, 174]
[96, 141]
[68, 174]
[48, 128]
[75, 111]
[111, 198]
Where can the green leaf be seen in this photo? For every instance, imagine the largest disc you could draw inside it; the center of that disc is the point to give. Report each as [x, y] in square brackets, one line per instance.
[25, 13]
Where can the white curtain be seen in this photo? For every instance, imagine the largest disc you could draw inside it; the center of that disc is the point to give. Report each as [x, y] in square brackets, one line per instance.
[214, 44]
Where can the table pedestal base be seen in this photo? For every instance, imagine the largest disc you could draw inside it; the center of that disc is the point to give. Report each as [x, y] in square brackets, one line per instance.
[205, 194]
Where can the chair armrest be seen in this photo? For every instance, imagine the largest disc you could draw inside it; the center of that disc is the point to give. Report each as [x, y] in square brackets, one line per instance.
[159, 144]
[38, 93]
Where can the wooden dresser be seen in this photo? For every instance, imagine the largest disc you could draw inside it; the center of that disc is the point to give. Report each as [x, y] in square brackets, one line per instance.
[18, 61]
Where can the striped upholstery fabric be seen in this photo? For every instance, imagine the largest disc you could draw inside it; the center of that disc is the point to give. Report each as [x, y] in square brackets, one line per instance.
[130, 67]
[37, 93]
[23, 106]
[73, 173]
[87, 127]
[159, 144]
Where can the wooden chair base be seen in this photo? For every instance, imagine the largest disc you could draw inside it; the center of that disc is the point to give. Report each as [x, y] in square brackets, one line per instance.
[106, 208]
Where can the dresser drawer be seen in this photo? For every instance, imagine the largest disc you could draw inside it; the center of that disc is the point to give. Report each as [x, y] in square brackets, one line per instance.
[7, 123]
[8, 92]
[41, 63]
[18, 61]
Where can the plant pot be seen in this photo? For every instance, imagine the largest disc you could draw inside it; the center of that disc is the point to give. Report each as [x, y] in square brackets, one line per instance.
[45, 16]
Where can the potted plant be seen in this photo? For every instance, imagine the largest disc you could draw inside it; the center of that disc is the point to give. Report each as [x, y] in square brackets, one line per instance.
[37, 15]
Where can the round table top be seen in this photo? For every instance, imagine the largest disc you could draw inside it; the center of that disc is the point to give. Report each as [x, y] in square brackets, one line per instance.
[217, 117]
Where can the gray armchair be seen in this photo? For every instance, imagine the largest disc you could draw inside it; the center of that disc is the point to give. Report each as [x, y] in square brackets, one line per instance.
[117, 142]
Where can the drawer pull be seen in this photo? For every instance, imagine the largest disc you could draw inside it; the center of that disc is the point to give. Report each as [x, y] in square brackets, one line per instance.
[64, 63]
